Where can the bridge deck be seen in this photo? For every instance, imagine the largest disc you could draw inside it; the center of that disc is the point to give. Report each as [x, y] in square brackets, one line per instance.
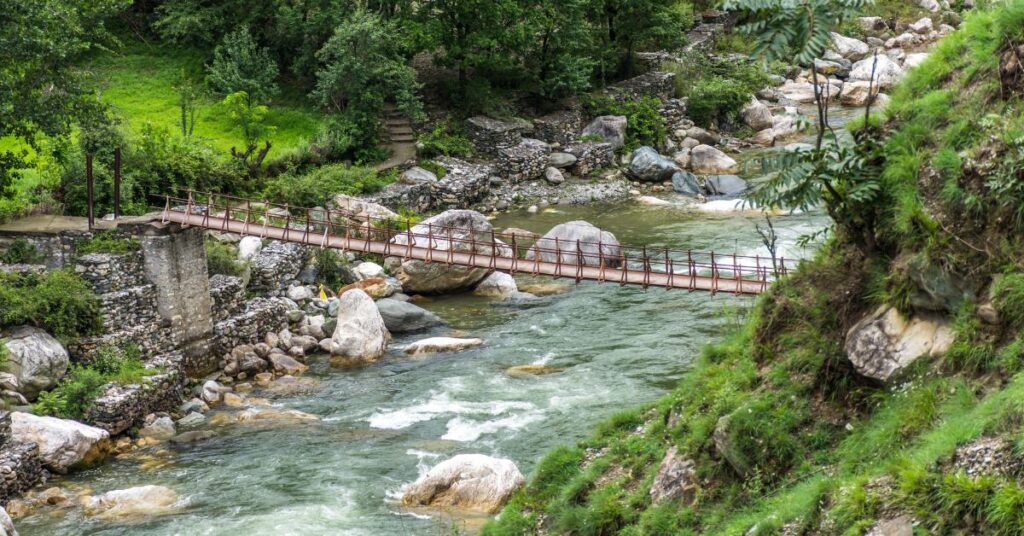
[593, 261]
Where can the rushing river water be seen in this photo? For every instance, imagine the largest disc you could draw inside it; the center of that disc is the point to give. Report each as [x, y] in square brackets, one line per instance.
[384, 424]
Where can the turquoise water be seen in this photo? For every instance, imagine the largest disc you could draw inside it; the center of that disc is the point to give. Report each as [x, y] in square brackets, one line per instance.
[381, 426]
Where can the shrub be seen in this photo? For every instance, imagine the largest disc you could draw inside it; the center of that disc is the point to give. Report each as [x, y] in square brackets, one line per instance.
[4, 352]
[645, 126]
[59, 302]
[317, 187]
[331, 268]
[75, 394]
[21, 251]
[222, 259]
[1008, 297]
[714, 99]
[445, 140]
[108, 242]
[434, 167]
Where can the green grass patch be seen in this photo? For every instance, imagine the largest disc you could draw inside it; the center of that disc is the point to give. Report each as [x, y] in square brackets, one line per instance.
[222, 259]
[108, 242]
[58, 301]
[139, 81]
[75, 394]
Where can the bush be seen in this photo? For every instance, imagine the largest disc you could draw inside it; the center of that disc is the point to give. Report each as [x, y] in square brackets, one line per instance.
[319, 186]
[434, 167]
[645, 126]
[332, 268]
[108, 242]
[1008, 297]
[75, 394]
[222, 259]
[59, 302]
[445, 140]
[717, 99]
[21, 252]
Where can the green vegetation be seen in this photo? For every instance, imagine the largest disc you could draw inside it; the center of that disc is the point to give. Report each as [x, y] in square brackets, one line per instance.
[58, 302]
[645, 126]
[222, 259]
[75, 394]
[108, 242]
[319, 186]
[332, 268]
[717, 89]
[782, 430]
[21, 251]
[445, 140]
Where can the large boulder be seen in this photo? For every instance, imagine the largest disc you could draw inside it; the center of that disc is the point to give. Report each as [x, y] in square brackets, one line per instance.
[249, 247]
[361, 208]
[360, 335]
[497, 285]
[467, 482]
[850, 48]
[757, 116]
[887, 72]
[6, 524]
[725, 185]
[686, 183]
[855, 93]
[469, 231]
[883, 344]
[705, 159]
[404, 317]
[438, 345]
[649, 166]
[142, 501]
[611, 129]
[417, 175]
[803, 92]
[35, 358]
[676, 480]
[593, 245]
[62, 443]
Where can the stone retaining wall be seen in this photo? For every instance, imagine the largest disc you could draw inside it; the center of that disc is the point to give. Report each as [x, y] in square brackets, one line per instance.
[464, 184]
[524, 161]
[658, 84]
[491, 135]
[228, 295]
[261, 316]
[560, 127]
[57, 250]
[277, 264]
[124, 406]
[590, 157]
[21, 468]
[105, 272]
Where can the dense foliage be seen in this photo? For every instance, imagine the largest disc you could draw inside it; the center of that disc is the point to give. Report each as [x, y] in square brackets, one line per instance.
[58, 302]
[77, 391]
[222, 259]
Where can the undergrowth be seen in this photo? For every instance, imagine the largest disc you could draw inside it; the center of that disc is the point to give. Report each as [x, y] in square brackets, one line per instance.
[75, 394]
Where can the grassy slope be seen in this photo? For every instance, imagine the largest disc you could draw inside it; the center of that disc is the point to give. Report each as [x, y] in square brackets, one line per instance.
[138, 82]
[827, 451]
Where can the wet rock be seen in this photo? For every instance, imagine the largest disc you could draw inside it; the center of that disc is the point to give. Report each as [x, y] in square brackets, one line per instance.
[531, 370]
[62, 443]
[35, 358]
[470, 231]
[367, 270]
[193, 436]
[212, 392]
[159, 428]
[286, 365]
[803, 92]
[270, 415]
[441, 344]
[233, 400]
[593, 245]
[404, 317]
[192, 420]
[468, 482]
[676, 480]
[194, 405]
[142, 501]
[855, 93]
[686, 183]
[705, 159]
[883, 344]
[652, 201]
[649, 166]
[497, 285]
[6, 525]
[725, 185]
[361, 335]
[611, 129]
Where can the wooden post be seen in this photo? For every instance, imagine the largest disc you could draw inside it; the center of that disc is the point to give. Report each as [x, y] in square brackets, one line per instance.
[88, 188]
[117, 183]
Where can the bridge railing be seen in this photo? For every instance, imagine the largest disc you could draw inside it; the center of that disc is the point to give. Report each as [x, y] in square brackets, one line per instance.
[578, 259]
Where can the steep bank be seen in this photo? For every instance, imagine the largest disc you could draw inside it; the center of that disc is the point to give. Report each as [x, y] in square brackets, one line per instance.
[821, 416]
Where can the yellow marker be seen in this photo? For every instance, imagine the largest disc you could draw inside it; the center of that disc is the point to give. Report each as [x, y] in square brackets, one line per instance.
[323, 295]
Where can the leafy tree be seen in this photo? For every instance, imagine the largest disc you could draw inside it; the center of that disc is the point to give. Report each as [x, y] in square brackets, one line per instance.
[241, 66]
[43, 92]
[625, 27]
[364, 65]
[188, 102]
[470, 33]
[251, 121]
[556, 47]
[205, 22]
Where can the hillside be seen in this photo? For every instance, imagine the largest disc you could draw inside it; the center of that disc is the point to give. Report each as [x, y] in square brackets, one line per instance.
[877, 389]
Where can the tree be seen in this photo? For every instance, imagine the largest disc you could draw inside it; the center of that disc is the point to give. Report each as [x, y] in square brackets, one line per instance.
[469, 33]
[188, 102]
[625, 27]
[250, 120]
[843, 178]
[556, 43]
[240, 65]
[43, 92]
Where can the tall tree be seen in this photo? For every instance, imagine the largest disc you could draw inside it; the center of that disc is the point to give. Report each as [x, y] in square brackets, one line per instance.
[469, 33]
[240, 65]
[628, 26]
[42, 91]
[556, 47]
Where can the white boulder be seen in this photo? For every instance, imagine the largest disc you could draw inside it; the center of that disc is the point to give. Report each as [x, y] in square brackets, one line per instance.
[467, 481]
[35, 358]
[62, 443]
[360, 335]
[884, 343]
[756, 115]
[142, 501]
[497, 285]
[707, 160]
[922, 26]
[249, 247]
[850, 48]
[367, 270]
[436, 345]
[593, 244]
[887, 72]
